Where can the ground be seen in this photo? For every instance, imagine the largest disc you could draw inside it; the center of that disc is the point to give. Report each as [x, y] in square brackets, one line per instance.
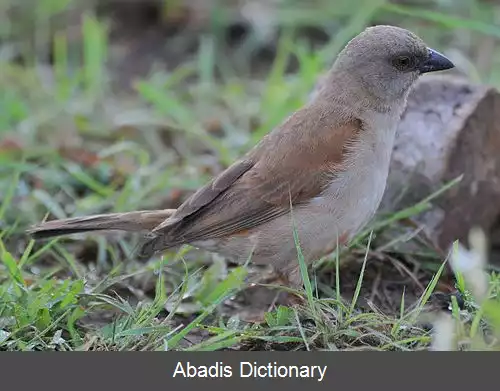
[116, 106]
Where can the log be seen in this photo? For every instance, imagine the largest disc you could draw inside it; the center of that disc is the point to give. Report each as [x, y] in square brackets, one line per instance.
[451, 127]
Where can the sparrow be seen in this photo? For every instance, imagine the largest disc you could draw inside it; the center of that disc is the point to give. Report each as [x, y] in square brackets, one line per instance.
[320, 174]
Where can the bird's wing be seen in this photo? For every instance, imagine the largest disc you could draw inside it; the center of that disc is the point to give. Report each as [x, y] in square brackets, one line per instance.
[290, 165]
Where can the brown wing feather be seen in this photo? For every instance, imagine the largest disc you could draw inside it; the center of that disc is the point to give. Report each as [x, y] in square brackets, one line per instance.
[211, 190]
[294, 162]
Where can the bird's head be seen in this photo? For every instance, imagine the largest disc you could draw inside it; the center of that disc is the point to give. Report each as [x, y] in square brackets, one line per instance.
[385, 61]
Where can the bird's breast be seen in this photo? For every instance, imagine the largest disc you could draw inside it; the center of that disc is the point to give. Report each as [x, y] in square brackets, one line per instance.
[354, 194]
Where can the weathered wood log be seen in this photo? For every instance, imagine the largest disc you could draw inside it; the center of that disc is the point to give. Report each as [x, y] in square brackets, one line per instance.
[451, 127]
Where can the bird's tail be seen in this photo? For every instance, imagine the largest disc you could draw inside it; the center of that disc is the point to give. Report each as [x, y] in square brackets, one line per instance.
[137, 221]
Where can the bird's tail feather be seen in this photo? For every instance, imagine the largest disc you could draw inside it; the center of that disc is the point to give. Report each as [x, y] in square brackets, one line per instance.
[137, 221]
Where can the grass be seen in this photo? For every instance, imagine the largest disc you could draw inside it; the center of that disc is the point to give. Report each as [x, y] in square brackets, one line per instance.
[72, 145]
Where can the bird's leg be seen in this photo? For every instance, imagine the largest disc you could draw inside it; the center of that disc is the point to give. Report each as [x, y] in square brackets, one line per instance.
[290, 278]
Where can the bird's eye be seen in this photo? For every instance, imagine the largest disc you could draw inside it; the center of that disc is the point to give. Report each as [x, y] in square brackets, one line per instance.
[402, 63]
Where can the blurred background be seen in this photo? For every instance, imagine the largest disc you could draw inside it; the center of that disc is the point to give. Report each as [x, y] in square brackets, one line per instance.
[116, 105]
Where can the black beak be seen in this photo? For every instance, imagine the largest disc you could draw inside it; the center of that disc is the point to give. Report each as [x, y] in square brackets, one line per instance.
[435, 62]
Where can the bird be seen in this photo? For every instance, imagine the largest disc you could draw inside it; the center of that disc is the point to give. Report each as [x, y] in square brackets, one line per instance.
[313, 182]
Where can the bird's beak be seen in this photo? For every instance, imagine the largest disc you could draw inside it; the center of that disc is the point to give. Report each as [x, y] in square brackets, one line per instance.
[435, 62]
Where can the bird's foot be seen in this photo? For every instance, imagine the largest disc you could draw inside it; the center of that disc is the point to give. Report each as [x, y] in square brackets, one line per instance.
[280, 298]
